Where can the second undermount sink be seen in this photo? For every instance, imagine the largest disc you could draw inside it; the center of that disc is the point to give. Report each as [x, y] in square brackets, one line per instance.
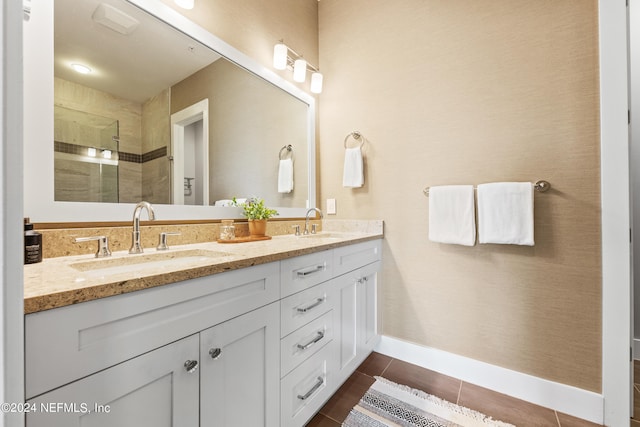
[324, 236]
[145, 261]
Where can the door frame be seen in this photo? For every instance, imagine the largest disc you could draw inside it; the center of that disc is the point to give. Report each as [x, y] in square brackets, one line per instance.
[615, 211]
[11, 200]
[180, 120]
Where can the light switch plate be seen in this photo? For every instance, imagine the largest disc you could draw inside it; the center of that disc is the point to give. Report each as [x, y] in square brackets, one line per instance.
[331, 206]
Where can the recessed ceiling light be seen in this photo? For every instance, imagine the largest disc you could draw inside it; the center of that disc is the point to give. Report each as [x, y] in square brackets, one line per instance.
[82, 69]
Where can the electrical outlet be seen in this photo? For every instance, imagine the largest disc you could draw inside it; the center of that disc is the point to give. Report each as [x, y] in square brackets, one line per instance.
[331, 206]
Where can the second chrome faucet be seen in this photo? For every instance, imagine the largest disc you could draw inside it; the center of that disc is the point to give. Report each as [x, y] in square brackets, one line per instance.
[136, 246]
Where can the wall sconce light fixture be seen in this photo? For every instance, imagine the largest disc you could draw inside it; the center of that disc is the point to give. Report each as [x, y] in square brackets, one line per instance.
[284, 57]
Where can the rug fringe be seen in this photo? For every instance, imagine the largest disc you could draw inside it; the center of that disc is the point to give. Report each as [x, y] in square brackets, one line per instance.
[467, 412]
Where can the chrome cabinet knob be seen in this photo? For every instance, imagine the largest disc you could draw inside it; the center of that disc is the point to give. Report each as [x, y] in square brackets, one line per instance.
[191, 366]
[215, 353]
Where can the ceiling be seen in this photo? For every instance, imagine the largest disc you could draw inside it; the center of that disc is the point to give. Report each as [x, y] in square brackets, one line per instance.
[136, 66]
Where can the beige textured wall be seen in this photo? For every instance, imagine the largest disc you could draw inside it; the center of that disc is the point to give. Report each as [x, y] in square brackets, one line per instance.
[455, 92]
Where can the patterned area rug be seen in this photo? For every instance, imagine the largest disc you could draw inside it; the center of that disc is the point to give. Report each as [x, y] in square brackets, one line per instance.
[389, 404]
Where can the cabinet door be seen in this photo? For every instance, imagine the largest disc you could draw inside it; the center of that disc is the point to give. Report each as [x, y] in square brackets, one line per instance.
[368, 302]
[151, 390]
[348, 313]
[239, 381]
[357, 317]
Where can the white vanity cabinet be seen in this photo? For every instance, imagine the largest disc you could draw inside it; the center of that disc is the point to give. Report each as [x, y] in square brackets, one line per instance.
[129, 353]
[265, 345]
[329, 324]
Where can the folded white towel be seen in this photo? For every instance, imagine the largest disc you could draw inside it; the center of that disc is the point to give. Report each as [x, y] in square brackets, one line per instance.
[505, 213]
[452, 215]
[228, 202]
[285, 176]
[353, 175]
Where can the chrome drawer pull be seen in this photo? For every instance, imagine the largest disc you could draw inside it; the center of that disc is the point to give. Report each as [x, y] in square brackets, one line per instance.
[313, 270]
[319, 336]
[316, 386]
[309, 307]
[215, 353]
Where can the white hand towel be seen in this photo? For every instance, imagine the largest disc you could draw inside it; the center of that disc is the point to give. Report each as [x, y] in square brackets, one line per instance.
[285, 176]
[452, 215]
[353, 175]
[505, 213]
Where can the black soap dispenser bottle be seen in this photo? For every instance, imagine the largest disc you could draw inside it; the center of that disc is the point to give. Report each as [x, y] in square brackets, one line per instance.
[32, 244]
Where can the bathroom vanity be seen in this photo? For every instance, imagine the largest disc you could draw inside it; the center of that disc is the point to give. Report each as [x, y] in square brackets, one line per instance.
[261, 334]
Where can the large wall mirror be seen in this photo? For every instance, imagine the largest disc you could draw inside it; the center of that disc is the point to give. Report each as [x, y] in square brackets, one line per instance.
[168, 113]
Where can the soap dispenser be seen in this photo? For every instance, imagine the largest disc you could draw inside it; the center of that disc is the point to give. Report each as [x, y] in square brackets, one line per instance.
[32, 244]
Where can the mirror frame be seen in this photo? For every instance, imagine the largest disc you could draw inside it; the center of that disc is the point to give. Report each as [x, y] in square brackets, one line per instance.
[39, 202]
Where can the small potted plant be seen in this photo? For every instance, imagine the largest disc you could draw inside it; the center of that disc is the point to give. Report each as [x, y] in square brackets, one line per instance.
[257, 214]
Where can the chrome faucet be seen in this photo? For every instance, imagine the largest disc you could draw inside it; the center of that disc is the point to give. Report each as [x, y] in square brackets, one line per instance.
[306, 221]
[136, 247]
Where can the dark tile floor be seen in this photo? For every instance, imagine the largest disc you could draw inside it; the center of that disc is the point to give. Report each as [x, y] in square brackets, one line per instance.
[499, 406]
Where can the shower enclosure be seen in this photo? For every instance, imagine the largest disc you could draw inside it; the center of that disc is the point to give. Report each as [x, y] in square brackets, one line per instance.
[85, 157]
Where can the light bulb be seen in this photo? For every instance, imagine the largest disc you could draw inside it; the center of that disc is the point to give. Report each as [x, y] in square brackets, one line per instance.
[185, 4]
[316, 82]
[280, 56]
[299, 70]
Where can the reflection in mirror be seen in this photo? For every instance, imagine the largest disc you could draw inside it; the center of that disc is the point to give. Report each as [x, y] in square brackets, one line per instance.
[153, 81]
[85, 156]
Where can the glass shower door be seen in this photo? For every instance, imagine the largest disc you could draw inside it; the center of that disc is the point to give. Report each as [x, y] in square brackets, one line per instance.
[85, 157]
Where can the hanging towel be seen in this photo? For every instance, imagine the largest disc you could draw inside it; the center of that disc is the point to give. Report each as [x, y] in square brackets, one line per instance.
[285, 176]
[353, 175]
[505, 213]
[452, 215]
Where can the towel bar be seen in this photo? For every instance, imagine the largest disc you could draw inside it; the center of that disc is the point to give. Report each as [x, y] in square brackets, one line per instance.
[357, 136]
[540, 186]
[288, 148]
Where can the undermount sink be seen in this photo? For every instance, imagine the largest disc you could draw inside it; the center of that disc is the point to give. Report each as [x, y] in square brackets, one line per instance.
[158, 260]
[326, 236]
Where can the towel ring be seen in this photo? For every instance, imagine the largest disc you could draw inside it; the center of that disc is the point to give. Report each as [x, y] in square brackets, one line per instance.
[357, 136]
[288, 148]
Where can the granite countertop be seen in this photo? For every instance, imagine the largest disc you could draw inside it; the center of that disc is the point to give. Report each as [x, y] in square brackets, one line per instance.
[58, 282]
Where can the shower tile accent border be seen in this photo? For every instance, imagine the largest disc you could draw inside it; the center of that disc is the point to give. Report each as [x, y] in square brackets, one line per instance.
[65, 147]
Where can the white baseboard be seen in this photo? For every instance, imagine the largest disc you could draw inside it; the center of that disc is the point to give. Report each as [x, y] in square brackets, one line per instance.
[560, 397]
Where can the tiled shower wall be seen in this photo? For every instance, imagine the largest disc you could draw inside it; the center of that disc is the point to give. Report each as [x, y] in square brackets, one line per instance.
[143, 162]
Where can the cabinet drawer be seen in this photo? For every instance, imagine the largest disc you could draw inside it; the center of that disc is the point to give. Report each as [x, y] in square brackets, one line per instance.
[97, 334]
[349, 258]
[309, 339]
[298, 309]
[306, 388]
[300, 273]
